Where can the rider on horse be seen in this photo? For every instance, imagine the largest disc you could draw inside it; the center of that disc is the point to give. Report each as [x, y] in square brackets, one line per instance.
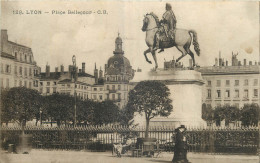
[169, 24]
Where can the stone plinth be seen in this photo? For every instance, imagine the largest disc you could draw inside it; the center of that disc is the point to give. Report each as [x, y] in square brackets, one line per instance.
[186, 94]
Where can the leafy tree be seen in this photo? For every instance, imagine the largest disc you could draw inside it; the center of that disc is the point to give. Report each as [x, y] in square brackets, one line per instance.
[227, 113]
[207, 113]
[7, 114]
[219, 115]
[250, 114]
[106, 112]
[152, 99]
[232, 114]
[21, 104]
[127, 115]
[85, 111]
[59, 107]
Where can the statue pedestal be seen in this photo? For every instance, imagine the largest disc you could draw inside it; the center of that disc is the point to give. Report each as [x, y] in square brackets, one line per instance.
[186, 94]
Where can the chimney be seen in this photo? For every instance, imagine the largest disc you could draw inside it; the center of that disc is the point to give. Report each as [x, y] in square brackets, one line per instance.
[62, 69]
[250, 63]
[4, 36]
[100, 73]
[47, 72]
[96, 74]
[244, 62]
[83, 67]
[220, 61]
[70, 71]
[39, 70]
[239, 63]
[216, 61]
[106, 68]
[226, 63]
[190, 62]
[56, 69]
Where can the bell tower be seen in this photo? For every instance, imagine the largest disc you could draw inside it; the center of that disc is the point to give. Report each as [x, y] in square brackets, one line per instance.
[118, 45]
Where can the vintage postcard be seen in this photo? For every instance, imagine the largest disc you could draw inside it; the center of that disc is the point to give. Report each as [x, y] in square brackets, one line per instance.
[129, 81]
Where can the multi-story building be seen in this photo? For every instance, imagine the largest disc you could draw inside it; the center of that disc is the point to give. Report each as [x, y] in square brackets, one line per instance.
[224, 85]
[231, 85]
[18, 67]
[118, 73]
[62, 82]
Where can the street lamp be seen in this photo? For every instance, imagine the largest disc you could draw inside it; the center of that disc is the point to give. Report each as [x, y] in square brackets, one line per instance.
[75, 95]
[40, 117]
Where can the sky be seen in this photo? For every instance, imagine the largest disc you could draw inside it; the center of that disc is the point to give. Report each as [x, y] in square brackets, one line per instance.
[224, 26]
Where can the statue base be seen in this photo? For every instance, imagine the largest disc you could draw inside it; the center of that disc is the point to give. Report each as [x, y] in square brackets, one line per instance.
[186, 94]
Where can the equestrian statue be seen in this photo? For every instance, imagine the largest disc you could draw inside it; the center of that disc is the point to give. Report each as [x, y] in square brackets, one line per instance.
[164, 34]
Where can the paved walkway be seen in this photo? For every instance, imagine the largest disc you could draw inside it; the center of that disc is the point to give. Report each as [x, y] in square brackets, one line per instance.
[45, 156]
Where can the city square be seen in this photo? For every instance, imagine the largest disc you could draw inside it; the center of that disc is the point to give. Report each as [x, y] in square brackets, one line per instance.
[126, 91]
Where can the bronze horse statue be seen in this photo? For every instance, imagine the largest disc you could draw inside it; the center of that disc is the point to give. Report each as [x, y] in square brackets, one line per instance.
[183, 39]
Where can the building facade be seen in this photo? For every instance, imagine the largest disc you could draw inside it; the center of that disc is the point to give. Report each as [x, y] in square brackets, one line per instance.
[236, 84]
[118, 73]
[231, 85]
[113, 85]
[18, 67]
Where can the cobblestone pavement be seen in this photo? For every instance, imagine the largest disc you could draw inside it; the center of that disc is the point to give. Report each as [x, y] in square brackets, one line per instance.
[45, 156]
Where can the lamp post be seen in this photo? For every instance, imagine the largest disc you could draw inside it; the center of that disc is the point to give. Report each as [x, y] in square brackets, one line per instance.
[75, 95]
[40, 117]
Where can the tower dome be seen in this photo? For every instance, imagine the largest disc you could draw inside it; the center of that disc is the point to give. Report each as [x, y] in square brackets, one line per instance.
[118, 64]
[118, 45]
[118, 39]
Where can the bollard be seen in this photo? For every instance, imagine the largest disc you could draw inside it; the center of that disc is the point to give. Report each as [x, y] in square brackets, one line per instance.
[25, 143]
[11, 148]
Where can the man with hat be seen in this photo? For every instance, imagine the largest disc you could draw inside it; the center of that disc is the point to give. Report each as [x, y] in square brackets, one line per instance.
[181, 147]
[169, 23]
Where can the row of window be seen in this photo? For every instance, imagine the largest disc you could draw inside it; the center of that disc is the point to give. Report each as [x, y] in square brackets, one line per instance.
[54, 90]
[114, 87]
[21, 72]
[76, 86]
[23, 57]
[236, 93]
[236, 83]
[114, 97]
[6, 69]
[48, 83]
[117, 78]
[17, 83]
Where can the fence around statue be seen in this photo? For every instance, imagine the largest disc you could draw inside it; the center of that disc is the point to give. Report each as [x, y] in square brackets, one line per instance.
[101, 138]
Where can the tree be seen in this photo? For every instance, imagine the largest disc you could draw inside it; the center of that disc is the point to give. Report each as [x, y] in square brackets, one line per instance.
[207, 113]
[250, 114]
[7, 114]
[21, 104]
[60, 107]
[227, 113]
[152, 99]
[127, 115]
[85, 110]
[106, 112]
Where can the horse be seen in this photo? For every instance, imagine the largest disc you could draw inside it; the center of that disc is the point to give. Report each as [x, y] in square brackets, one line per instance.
[182, 42]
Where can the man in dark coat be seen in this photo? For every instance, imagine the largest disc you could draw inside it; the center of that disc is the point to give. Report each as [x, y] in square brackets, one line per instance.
[181, 147]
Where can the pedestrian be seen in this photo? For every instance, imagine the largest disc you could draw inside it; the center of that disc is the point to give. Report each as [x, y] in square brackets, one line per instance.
[181, 147]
